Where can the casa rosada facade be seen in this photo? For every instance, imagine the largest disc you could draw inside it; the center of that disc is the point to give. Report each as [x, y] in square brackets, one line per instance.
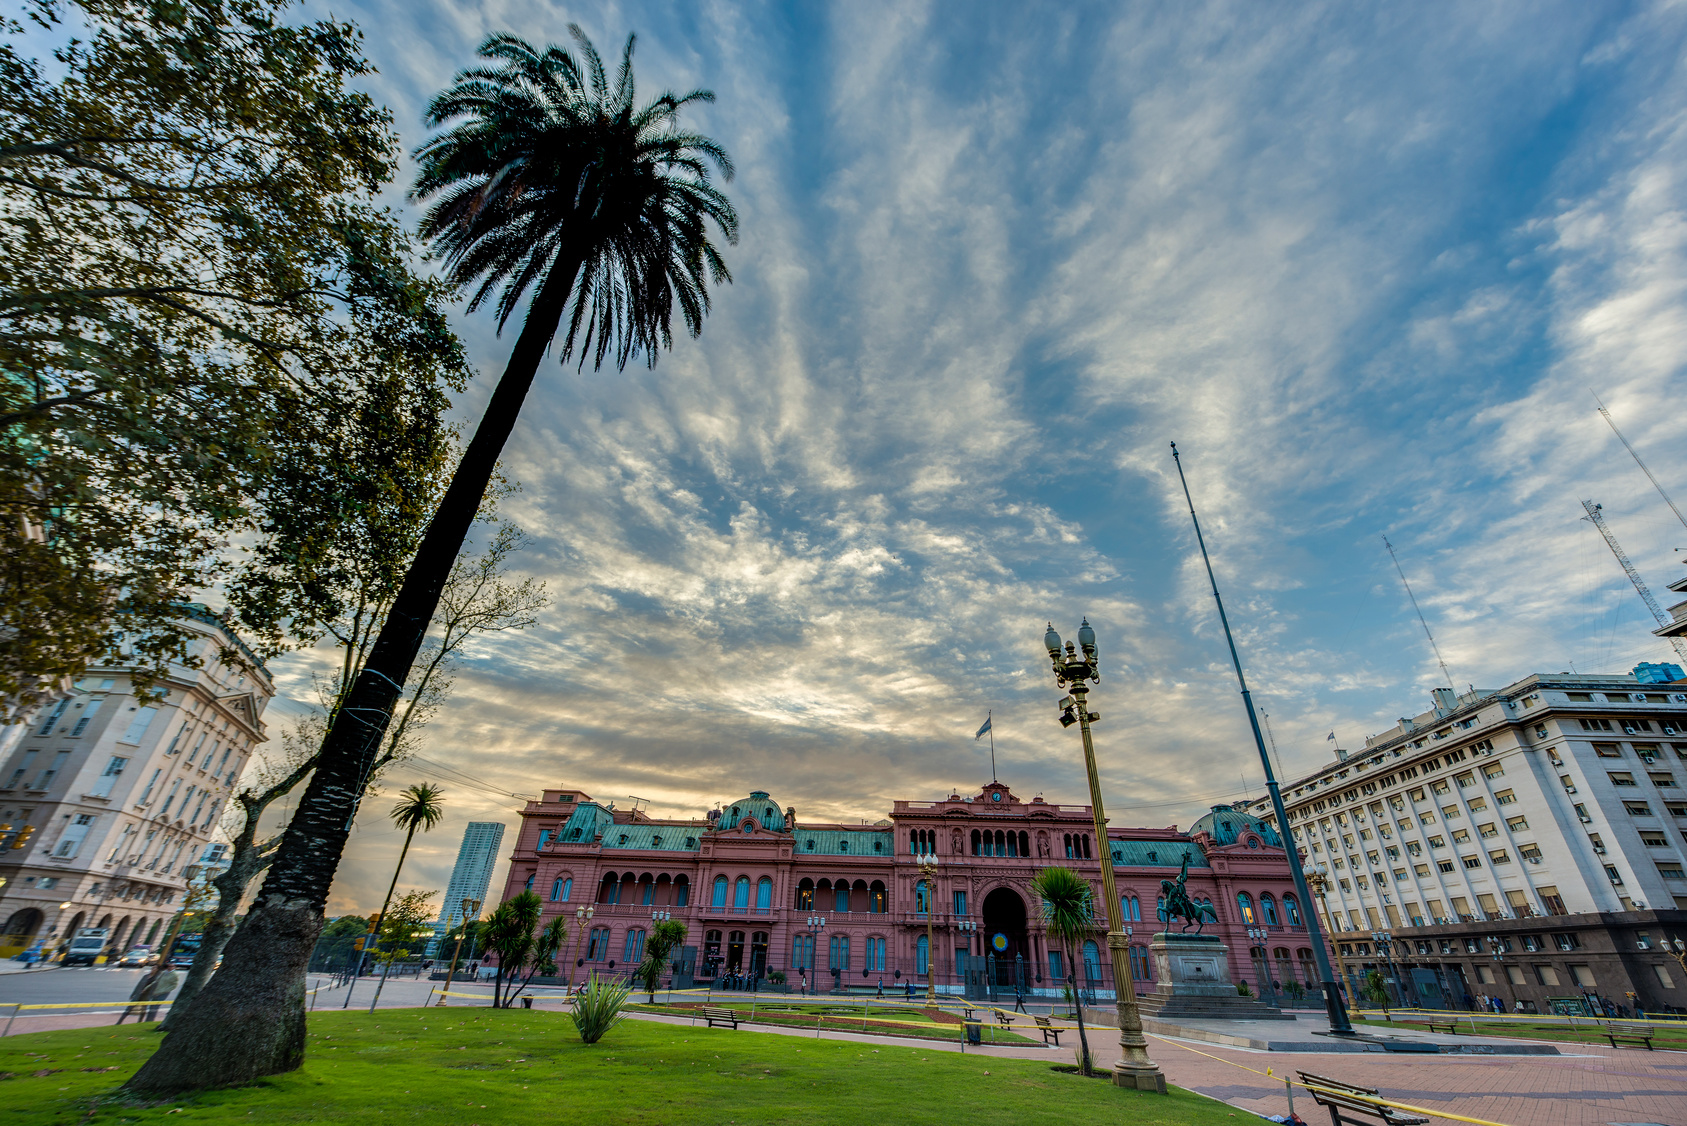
[758, 890]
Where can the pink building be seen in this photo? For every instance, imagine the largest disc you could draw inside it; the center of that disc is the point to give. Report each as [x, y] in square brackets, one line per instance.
[758, 890]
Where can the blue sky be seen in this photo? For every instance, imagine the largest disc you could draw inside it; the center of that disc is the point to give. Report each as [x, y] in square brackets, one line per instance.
[1363, 264]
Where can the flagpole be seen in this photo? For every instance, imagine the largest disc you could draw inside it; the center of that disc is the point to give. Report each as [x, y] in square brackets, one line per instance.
[989, 717]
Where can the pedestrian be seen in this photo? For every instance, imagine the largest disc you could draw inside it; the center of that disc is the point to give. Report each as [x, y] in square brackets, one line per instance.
[156, 987]
[1019, 999]
[802, 975]
[881, 985]
[910, 984]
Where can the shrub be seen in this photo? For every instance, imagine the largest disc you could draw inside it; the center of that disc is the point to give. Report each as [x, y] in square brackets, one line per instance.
[777, 977]
[597, 1007]
[1242, 989]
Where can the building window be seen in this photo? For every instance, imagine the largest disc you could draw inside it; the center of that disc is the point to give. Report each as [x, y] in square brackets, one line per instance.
[764, 894]
[1620, 778]
[720, 892]
[632, 952]
[597, 944]
[1245, 904]
[1671, 871]
[741, 894]
[841, 896]
[562, 889]
[1268, 910]
[682, 892]
[802, 952]
[920, 906]
[875, 955]
[1057, 971]
[840, 953]
[960, 903]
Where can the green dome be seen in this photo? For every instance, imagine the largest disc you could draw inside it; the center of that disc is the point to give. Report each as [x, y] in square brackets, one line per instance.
[1227, 826]
[759, 805]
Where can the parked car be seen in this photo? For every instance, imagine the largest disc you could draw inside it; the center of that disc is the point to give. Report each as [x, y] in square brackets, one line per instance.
[138, 956]
[87, 946]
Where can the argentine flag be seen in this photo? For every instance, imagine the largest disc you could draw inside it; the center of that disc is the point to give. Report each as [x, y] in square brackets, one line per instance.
[983, 731]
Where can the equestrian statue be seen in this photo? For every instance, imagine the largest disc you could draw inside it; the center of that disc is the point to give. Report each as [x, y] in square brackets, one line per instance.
[1180, 906]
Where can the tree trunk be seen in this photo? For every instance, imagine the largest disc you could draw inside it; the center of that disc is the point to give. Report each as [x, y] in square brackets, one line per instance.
[249, 1021]
[231, 887]
[1085, 1066]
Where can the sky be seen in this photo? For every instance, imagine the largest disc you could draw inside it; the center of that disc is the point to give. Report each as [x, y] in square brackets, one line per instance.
[1366, 265]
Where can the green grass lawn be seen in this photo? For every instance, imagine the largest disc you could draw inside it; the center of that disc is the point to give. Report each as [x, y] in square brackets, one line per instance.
[879, 1019]
[479, 1067]
[1670, 1034]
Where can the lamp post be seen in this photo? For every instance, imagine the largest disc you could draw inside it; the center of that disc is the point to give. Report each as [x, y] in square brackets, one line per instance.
[1339, 1023]
[1075, 673]
[816, 927]
[1385, 947]
[968, 927]
[582, 916]
[470, 907]
[1677, 949]
[1258, 936]
[928, 874]
[1319, 881]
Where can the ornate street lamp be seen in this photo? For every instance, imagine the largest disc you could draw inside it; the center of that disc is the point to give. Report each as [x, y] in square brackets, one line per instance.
[582, 916]
[928, 872]
[470, 907]
[1075, 673]
[816, 926]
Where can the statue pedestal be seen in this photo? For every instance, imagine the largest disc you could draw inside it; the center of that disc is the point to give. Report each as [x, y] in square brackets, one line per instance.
[1192, 973]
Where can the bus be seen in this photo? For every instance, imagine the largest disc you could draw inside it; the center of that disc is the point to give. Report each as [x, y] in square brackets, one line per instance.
[182, 954]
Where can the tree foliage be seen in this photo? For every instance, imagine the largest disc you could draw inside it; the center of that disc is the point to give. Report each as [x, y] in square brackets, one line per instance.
[197, 289]
[405, 924]
[665, 938]
[1068, 917]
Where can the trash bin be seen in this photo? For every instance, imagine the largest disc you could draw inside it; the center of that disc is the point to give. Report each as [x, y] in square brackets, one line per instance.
[975, 1031]
[527, 1002]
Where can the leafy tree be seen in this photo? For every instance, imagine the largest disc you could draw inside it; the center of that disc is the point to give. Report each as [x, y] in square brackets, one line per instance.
[542, 958]
[195, 280]
[1066, 915]
[667, 937]
[479, 599]
[508, 933]
[402, 924]
[1375, 989]
[554, 180]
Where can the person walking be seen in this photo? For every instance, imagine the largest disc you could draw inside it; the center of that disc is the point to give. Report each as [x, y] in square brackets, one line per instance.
[152, 988]
[1019, 999]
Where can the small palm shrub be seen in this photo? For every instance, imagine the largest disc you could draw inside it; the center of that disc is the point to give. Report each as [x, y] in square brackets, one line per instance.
[597, 1007]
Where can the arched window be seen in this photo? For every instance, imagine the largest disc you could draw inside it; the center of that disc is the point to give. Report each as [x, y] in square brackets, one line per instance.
[741, 894]
[1013, 844]
[611, 892]
[764, 894]
[840, 896]
[1086, 840]
[1140, 970]
[975, 851]
[528, 886]
[1131, 908]
[649, 895]
[922, 955]
[633, 952]
[561, 889]
[839, 953]
[1268, 909]
[802, 952]
[720, 892]
[1092, 961]
[597, 946]
[1246, 903]
[1024, 844]
[682, 891]
[1291, 910]
[875, 955]
[1160, 909]
[805, 895]
[1069, 853]
[877, 899]
[921, 899]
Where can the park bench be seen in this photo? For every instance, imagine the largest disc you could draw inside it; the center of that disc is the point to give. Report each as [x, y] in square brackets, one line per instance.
[1340, 1098]
[1634, 1033]
[725, 1016]
[1004, 1018]
[1450, 1025]
[1048, 1029]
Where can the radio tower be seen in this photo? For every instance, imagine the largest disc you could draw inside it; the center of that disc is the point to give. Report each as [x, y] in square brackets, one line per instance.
[1593, 514]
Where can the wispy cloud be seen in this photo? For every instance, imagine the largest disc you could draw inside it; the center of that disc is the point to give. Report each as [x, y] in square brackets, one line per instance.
[1361, 264]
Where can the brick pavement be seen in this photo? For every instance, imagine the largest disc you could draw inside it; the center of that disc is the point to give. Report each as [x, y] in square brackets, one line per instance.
[1592, 1088]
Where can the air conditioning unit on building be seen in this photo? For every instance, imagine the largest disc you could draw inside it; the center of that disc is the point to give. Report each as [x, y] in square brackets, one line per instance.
[1637, 697]
[1628, 729]
[1600, 849]
[1678, 697]
[1534, 860]
[1669, 729]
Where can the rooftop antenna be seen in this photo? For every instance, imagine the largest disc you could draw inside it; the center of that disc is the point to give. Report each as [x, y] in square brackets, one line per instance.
[1598, 520]
[1643, 469]
[1421, 621]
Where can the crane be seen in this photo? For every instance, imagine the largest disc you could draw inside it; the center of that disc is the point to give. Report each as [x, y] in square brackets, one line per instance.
[1421, 620]
[1643, 468]
[1593, 514]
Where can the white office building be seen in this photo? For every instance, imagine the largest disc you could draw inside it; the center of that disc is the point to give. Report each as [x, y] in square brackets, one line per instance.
[109, 798]
[471, 876]
[1506, 831]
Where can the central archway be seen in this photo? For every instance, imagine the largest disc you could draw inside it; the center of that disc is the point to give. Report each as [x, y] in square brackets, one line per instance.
[1004, 936]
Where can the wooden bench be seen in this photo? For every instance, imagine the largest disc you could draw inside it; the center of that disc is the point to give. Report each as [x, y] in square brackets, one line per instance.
[1004, 1018]
[725, 1016]
[1634, 1033]
[1048, 1029]
[1341, 1097]
[1451, 1026]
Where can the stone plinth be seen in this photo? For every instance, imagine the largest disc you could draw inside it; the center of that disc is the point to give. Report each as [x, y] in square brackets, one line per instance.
[1192, 973]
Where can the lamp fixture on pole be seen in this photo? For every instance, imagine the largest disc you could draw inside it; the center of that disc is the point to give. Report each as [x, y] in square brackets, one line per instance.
[928, 873]
[470, 907]
[1075, 673]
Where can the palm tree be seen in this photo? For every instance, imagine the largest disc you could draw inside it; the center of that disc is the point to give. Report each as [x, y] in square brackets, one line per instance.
[550, 178]
[1067, 916]
[418, 807]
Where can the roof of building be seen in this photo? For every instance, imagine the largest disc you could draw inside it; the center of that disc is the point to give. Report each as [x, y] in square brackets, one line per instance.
[1226, 826]
[585, 823]
[1157, 854]
[758, 805]
[661, 838]
[844, 842]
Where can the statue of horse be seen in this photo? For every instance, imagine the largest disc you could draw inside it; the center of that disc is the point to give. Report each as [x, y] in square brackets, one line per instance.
[1180, 906]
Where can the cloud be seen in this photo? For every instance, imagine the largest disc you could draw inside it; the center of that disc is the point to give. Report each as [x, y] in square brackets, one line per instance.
[1362, 265]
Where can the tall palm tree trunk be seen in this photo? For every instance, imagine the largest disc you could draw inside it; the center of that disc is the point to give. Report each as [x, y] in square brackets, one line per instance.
[381, 917]
[249, 1020]
[1084, 1064]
